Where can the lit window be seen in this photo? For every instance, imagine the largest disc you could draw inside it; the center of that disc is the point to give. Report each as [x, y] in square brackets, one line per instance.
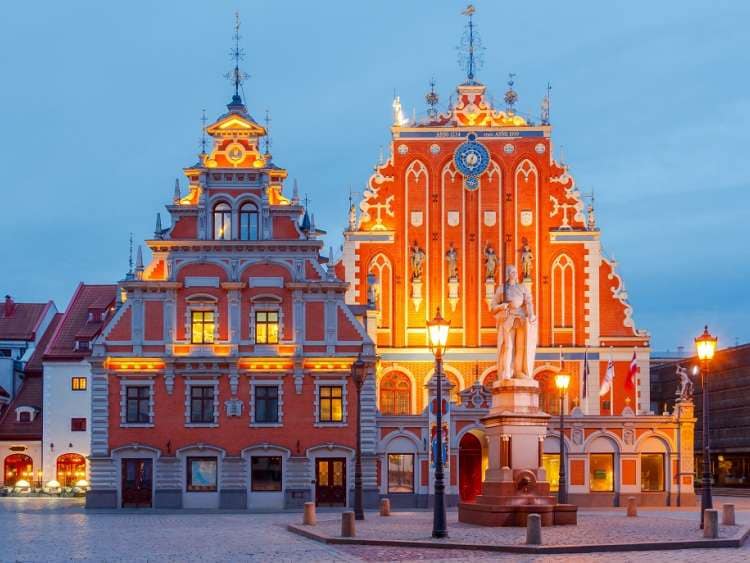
[601, 473]
[78, 383]
[202, 404]
[266, 327]
[395, 394]
[222, 222]
[400, 473]
[551, 464]
[652, 472]
[202, 327]
[331, 403]
[202, 474]
[78, 425]
[266, 473]
[249, 222]
[266, 403]
[137, 406]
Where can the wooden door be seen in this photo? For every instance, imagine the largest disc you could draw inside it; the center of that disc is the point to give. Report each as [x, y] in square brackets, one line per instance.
[330, 481]
[469, 468]
[137, 477]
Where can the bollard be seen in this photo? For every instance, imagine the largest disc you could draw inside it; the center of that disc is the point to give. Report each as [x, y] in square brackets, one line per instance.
[711, 523]
[309, 518]
[632, 507]
[727, 514]
[347, 525]
[385, 507]
[534, 529]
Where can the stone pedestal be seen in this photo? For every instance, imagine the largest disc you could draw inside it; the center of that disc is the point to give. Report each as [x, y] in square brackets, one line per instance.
[515, 484]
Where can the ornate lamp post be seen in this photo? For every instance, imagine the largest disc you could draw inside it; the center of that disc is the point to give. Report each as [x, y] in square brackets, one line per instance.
[359, 372]
[437, 330]
[562, 380]
[705, 345]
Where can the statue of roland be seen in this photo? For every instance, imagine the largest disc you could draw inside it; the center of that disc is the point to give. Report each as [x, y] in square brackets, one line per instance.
[516, 328]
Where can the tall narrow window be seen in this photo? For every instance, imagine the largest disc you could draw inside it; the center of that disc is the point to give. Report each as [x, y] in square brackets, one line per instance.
[266, 403]
[202, 327]
[331, 403]
[202, 404]
[652, 472]
[249, 222]
[400, 473]
[266, 327]
[395, 394]
[222, 221]
[137, 399]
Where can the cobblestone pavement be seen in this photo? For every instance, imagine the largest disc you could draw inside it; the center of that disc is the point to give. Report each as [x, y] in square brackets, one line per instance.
[61, 530]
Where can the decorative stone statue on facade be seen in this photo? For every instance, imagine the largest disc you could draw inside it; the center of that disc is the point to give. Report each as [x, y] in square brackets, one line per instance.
[490, 263]
[527, 260]
[685, 390]
[416, 257]
[516, 328]
[452, 258]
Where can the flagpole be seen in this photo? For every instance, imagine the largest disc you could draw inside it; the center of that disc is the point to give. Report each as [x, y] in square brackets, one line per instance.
[612, 386]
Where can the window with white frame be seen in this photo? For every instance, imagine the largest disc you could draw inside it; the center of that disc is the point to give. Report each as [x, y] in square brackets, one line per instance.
[202, 326]
[266, 402]
[330, 403]
[136, 402]
[202, 403]
[267, 327]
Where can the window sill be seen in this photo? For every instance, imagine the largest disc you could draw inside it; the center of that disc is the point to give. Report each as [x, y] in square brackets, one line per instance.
[136, 425]
[201, 425]
[266, 425]
[330, 424]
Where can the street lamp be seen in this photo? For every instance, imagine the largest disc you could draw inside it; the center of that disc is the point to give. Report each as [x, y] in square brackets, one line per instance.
[562, 380]
[437, 330]
[705, 345]
[359, 372]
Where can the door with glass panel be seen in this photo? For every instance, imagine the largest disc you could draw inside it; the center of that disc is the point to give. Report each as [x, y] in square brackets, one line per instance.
[330, 481]
[137, 478]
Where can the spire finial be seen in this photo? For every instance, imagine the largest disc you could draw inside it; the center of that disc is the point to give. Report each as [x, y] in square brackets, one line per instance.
[139, 263]
[432, 100]
[511, 96]
[295, 192]
[470, 50]
[130, 257]
[203, 133]
[237, 54]
[267, 138]
[177, 195]
[546, 105]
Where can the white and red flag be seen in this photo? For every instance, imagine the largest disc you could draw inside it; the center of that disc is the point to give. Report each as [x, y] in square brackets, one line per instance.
[633, 371]
[608, 378]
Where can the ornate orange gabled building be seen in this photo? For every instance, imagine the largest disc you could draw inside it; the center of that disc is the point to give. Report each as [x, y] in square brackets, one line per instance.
[224, 378]
[462, 196]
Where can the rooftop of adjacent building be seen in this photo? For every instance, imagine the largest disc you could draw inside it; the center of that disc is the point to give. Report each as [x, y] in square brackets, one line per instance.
[21, 321]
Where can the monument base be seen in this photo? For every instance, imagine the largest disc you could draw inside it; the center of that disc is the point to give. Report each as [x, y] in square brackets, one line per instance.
[509, 502]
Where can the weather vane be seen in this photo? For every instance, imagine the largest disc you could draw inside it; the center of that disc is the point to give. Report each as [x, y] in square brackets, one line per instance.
[546, 105]
[432, 100]
[203, 133]
[470, 49]
[237, 76]
[268, 133]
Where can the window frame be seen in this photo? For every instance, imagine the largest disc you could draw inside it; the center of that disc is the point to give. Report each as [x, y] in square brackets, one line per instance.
[189, 487]
[266, 323]
[591, 471]
[390, 393]
[266, 400]
[225, 215]
[330, 400]
[138, 402]
[281, 474]
[413, 473]
[211, 401]
[253, 214]
[193, 312]
[78, 424]
[78, 383]
[663, 466]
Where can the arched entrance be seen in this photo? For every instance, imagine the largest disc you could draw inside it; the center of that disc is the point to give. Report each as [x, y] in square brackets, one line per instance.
[71, 468]
[17, 467]
[469, 467]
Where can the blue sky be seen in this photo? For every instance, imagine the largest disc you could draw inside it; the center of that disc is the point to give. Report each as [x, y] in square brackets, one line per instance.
[100, 104]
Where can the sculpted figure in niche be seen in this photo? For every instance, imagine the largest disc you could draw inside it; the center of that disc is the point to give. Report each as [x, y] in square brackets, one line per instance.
[516, 328]
[490, 263]
[416, 258]
[452, 258]
[527, 260]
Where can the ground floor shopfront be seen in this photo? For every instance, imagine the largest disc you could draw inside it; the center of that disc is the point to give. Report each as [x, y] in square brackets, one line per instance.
[26, 461]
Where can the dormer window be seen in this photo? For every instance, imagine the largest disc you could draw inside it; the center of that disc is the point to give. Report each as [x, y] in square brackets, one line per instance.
[249, 221]
[222, 221]
[25, 414]
[82, 345]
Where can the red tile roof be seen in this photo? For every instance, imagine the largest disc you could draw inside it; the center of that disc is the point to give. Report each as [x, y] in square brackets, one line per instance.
[29, 395]
[35, 362]
[76, 325]
[23, 321]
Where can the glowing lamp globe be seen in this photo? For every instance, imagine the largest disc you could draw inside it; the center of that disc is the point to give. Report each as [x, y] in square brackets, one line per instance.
[22, 484]
[437, 332]
[82, 484]
[54, 484]
[705, 345]
[562, 380]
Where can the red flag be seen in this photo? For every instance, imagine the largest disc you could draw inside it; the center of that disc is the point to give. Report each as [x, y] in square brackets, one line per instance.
[633, 371]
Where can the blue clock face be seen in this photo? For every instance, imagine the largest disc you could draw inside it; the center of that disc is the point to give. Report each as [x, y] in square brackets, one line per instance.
[472, 159]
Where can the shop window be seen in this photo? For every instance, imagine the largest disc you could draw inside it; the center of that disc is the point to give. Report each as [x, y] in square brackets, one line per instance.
[202, 325]
[331, 403]
[400, 473]
[78, 383]
[222, 221]
[266, 473]
[202, 474]
[71, 468]
[601, 475]
[395, 394]
[652, 472]
[551, 464]
[266, 408]
[202, 404]
[249, 222]
[137, 404]
[266, 327]
[78, 425]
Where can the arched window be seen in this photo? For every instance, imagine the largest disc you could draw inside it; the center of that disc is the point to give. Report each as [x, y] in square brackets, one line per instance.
[248, 221]
[71, 468]
[395, 394]
[17, 467]
[380, 265]
[563, 299]
[222, 221]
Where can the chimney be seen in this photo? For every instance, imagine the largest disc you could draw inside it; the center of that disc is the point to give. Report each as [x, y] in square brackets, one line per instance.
[10, 306]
